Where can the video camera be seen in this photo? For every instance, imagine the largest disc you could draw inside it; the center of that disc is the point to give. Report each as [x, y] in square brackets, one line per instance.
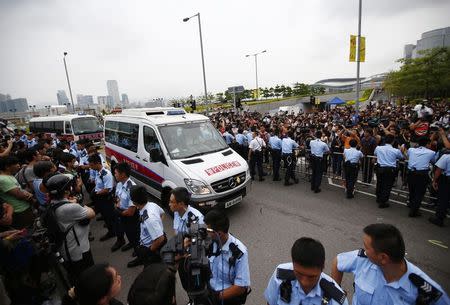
[436, 125]
[199, 248]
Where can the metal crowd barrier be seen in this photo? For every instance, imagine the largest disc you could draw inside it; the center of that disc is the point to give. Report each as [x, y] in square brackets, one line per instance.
[333, 165]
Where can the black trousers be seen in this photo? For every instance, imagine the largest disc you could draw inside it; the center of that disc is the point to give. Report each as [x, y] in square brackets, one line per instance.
[385, 181]
[276, 161]
[74, 269]
[368, 166]
[417, 183]
[443, 196]
[289, 163]
[256, 160]
[105, 205]
[129, 226]
[317, 172]
[351, 175]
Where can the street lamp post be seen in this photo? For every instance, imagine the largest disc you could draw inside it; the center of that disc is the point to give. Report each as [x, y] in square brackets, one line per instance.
[256, 70]
[358, 58]
[68, 82]
[203, 57]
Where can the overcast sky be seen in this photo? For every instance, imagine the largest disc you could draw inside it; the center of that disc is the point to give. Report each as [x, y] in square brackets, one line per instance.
[151, 52]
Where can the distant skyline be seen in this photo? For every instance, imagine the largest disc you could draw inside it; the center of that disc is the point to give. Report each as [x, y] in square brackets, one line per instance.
[151, 52]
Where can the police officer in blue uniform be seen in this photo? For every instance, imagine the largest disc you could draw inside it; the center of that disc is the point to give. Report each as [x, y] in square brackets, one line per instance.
[230, 279]
[383, 275]
[102, 195]
[229, 138]
[419, 160]
[441, 183]
[352, 157]
[288, 147]
[387, 157]
[318, 149]
[242, 143]
[302, 281]
[275, 145]
[126, 212]
[152, 237]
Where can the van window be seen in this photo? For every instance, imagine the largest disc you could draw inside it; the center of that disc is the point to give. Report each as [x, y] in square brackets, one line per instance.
[68, 128]
[59, 127]
[47, 126]
[122, 134]
[150, 139]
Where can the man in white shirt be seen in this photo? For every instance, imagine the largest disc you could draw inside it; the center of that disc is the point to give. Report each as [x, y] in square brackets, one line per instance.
[255, 155]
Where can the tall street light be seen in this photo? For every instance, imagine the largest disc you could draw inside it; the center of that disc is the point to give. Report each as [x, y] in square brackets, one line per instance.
[203, 58]
[358, 58]
[68, 82]
[256, 70]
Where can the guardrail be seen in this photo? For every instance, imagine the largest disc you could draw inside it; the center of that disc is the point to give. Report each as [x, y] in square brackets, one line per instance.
[333, 168]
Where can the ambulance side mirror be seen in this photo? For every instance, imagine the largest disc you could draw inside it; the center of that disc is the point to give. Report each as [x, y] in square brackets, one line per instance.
[155, 155]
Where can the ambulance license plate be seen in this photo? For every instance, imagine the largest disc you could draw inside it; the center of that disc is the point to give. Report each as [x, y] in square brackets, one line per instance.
[233, 202]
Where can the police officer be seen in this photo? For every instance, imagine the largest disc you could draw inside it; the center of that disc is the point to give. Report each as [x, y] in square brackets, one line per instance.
[419, 160]
[229, 138]
[383, 275]
[241, 140]
[255, 155]
[387, 157]
[230, 279]
[183, 216]
[152, 236]
[287, 152]
[352, 157]
[302, 281]
[126, 212]
[441, 183]
[318, 149]
[275, 144]
[102, 195]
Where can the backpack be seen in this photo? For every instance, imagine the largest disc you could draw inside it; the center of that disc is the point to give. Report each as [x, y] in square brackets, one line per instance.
[20, 177]
[56, 236]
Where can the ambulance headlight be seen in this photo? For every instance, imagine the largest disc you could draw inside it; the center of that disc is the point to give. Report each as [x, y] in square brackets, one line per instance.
[197, 187]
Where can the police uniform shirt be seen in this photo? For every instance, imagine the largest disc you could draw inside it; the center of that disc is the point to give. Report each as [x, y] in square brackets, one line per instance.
[228, 137]
[387, 155]
[83, 155]
[353, 155]
[92, 172]
[318, 148]
[180, 224]
[73, 151]
[444, 164]
[24, 138]
[298, 296]
[123, 193]
[104, 180]
[31, 143]
[287, 145]
[420, 158]
[224, 275]
[275, 142]
[371, 287]
[240, 139]
[257, 144]
[151, 226]
[249, 136]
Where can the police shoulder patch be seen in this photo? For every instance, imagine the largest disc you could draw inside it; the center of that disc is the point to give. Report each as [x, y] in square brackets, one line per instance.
[330, 291]
[285, 274]
[362, 253]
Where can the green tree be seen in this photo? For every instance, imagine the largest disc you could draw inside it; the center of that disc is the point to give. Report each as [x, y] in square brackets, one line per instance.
[427, 76]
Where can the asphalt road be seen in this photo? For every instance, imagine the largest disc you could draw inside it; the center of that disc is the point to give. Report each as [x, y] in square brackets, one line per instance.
[273, 216]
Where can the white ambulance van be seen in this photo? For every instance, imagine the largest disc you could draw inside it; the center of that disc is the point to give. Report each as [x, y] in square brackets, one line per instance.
[168, 148]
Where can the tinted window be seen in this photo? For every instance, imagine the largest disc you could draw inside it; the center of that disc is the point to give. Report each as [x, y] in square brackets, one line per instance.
[58, 127]
[122, 134]
[68, 127]
[150, 139]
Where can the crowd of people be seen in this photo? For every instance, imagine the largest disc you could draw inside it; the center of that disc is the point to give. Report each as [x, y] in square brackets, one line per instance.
[384, 139]
[52, 185]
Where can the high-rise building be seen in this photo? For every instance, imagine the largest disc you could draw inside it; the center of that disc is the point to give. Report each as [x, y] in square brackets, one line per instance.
[105, 101]
[62, 97]
[85, 100]
[125, 100]
[432, 39]
[113, 91]
[14, 105]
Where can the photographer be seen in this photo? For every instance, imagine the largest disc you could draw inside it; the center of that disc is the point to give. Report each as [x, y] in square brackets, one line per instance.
[154, 286]
[97, 285]
[230, 279]
[152, 236]
[183, 216]
[72, 221]
[42, 169]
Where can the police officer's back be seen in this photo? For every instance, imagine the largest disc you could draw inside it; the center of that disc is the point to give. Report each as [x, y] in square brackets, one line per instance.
[302, 281]
[318, 149]
[288, 146]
